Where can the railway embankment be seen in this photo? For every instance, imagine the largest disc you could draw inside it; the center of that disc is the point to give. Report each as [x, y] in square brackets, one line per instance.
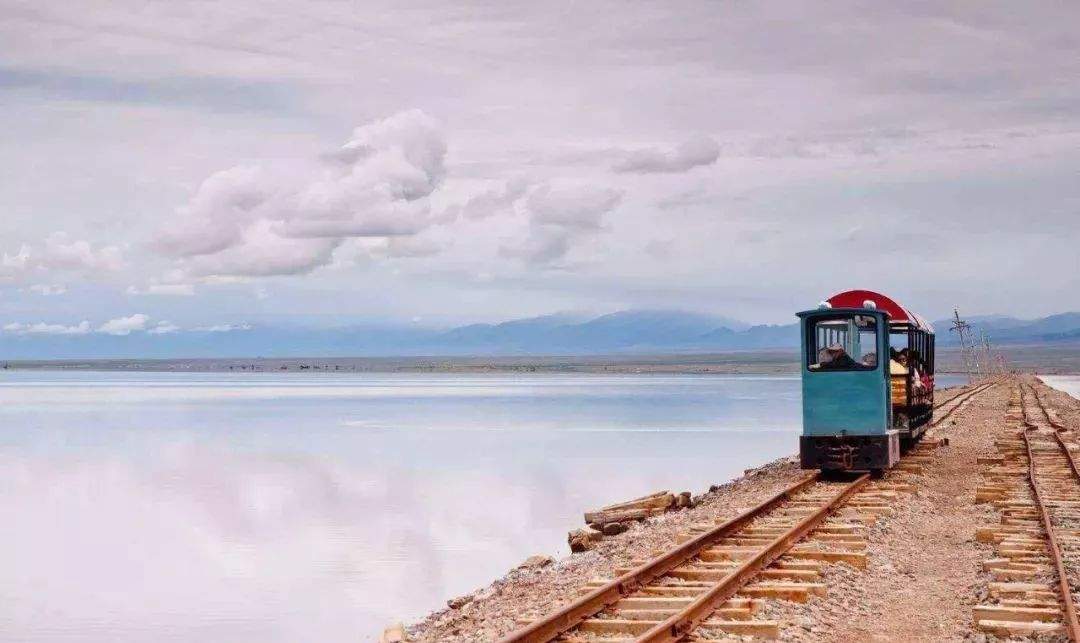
[910, 569]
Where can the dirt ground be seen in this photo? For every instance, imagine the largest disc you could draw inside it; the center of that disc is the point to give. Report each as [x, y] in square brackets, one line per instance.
[922, 580]
[924, 571]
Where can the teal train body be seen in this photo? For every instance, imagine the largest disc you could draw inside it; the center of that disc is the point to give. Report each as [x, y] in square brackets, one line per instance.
[867, 381]
[846, 401]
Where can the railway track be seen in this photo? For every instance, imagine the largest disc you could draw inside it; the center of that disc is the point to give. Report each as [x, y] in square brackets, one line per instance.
[712, 584]
[957, 401]
[1035, 485]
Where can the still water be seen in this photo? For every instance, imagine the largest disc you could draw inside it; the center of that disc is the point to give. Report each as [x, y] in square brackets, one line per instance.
[274, 507]
[1067, 383]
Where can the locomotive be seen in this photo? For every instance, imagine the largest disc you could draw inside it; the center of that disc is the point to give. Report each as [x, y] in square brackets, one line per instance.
[867, 366]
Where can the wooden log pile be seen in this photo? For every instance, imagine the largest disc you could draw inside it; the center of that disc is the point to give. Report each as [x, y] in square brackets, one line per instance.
[615, 519]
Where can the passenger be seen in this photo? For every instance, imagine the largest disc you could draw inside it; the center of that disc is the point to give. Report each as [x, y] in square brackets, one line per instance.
[896, 367]
[907, 359]
[839, 359]
[919, 372]
[870, 360]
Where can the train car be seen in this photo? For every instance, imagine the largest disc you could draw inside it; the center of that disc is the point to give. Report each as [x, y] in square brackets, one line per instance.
[867, 381]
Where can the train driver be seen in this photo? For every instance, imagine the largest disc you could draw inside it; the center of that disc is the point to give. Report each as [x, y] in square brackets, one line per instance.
[834, 357]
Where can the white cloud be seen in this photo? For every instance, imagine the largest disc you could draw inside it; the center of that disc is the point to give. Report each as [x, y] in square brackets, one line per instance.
[409, 247]
[580, 207]
[222, 328]
[124, 325]
[63, 254]
[163, 328]
[174, 290]
[491, 201]
[48, 290]
[121, 326]
[16, 328]
[258, 221]
[559, 215]
[58, 254]
[262, 251]
[692, 153]
[16, 262]
[540, 246]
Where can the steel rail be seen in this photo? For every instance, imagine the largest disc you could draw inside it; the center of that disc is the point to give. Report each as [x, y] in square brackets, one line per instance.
[677, 626]
[572, 614]
[960, 402]
[959, 395]
[1072, 625]
[1058, 428]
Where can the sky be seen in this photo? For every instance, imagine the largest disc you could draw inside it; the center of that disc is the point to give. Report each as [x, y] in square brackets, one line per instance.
[169, 166]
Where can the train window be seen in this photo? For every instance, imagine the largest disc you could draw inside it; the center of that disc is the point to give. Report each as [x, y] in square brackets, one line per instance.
[842, 343]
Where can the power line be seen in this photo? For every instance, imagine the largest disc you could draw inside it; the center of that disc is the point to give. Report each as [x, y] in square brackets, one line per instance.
[963, 330]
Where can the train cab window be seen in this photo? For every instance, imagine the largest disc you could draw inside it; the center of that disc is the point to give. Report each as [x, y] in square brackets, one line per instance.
[842, 343]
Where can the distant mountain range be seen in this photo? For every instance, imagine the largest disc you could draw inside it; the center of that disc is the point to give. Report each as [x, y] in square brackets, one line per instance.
[626, 332]
[1062, 327]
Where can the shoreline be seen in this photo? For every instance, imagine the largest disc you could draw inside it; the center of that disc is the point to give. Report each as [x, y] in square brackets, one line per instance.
[743, 363]
[1048, 359]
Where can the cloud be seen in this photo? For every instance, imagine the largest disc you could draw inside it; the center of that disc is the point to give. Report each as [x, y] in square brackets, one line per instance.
[581, 207]
[222, 328]
[692, 153]
[120, 327]
[124, 325]
[48, 290]
[543, 245]
[558, 216]
[163, 328]
[687, 199]
[58, 253]
[255, 220]
[263, 252]
[492, 201]
[174, 290]
[63, 254]
[808, 133]
[16, 328]
[409, 247]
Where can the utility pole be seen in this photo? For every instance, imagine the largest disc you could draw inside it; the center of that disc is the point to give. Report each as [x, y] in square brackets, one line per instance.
[963, 330]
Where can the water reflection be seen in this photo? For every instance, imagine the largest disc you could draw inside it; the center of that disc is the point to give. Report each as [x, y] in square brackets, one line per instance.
[179, 507]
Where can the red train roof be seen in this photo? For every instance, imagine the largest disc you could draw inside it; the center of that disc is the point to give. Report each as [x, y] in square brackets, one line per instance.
[855, 299]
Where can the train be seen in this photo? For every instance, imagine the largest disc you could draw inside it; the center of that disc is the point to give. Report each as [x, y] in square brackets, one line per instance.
[867, 367]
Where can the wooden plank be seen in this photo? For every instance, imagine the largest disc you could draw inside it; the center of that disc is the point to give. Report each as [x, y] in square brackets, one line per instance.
[1004, 613]
[855, 559]
[653, 603]
[757, 629]
[621, 515]
[796, 592]
[1013, 628]
[615, 626]
[1015, 602]
[632, 509]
